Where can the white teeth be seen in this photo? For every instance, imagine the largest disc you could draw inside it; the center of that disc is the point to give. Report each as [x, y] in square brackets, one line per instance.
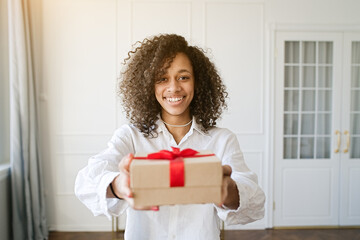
[174, 99]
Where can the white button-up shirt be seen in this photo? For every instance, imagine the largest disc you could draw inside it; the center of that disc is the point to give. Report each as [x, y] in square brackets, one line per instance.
[186, 222]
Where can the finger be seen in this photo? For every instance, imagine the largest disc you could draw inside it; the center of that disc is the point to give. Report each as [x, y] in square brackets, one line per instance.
[223, 192]
[226, 170]
[121, 189]
[125, 175]
[128, 161]
[125, 162]
[127, 192]
[153, 208]
[224, 189]
[144, 208]
[126, 183]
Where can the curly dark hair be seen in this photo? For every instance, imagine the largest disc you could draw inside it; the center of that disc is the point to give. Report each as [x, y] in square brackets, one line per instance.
[144, 66]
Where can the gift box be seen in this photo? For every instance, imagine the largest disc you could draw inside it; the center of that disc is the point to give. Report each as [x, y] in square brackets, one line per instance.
[176, 177]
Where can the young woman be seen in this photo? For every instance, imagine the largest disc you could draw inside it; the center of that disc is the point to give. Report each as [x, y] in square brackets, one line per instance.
[172, 96]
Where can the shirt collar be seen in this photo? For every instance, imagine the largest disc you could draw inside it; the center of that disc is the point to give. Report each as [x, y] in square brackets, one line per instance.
[194, 125]
[198, 127]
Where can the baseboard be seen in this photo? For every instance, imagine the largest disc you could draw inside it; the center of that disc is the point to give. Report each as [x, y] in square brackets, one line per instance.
[80, 228]
[315, 227]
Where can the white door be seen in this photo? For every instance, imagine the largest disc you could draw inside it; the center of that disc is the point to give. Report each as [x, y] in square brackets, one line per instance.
[308, 110]
[350, 139]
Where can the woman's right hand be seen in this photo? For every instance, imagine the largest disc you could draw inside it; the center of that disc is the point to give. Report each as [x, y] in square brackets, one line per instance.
[121, 184]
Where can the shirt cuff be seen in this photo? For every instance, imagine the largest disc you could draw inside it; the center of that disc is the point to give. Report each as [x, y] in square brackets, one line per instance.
[110, 206]
[225, 213]
[250, 205]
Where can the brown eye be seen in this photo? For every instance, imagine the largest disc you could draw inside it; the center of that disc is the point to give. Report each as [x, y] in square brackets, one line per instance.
[184, 78]
[161, 80]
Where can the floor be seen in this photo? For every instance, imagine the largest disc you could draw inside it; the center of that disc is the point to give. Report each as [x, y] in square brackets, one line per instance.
[270, 234]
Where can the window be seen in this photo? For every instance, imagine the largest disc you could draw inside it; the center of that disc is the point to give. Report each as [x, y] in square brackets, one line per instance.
[4, 88]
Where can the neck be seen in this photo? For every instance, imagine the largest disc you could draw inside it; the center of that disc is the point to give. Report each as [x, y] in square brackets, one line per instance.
[177, 127]
[176, 119]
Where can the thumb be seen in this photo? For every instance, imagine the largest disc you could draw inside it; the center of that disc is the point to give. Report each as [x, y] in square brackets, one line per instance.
[226, 170]
[128, 161]
[124, 164]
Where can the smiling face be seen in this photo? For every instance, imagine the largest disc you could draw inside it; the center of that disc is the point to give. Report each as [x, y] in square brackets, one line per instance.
[175, 90]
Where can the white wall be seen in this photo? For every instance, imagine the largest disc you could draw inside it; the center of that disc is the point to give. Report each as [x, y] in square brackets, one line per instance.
[327, 12]
[77, 56]
[77, 65]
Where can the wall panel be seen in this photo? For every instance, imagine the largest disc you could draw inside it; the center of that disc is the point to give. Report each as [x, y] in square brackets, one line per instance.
[154, 17]
[297, 192]
[354, 198]
[78, 108]
[71, 215]
[236, 41]
[79, 65]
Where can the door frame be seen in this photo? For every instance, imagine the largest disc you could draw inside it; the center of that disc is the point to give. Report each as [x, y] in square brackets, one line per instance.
[348, 165]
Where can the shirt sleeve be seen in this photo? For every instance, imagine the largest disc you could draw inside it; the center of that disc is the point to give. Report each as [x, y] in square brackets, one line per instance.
[252, 197]
[93, 180]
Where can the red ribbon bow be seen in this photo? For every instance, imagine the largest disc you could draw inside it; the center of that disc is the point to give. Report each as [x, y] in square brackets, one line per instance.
[171, 155]
[176, 166]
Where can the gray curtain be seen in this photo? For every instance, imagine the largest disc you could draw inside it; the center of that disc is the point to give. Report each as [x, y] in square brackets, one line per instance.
[28, 205]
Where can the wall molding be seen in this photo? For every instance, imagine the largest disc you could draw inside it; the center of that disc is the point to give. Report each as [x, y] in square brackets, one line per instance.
[79, 228]
[314, 27]
[83, 134]
[269, 78]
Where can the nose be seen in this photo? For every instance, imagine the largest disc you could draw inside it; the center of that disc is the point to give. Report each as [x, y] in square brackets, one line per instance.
[174, 86]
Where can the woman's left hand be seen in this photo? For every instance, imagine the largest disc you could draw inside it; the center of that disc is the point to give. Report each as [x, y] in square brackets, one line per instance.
[229, 192]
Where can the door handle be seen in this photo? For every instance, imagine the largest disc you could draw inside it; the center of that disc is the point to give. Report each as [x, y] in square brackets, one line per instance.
[347, 134]
[338, 133]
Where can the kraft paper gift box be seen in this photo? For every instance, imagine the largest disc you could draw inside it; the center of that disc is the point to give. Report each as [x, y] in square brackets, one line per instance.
[156, 182]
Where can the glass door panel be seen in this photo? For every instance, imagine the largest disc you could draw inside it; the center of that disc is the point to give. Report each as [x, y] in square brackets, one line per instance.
[323, 124]
[325, 52]
[292, 55]
[355, 101]
[291, 76]
[308, 52]
[291, 124]
[308, 124]
[308, 100]
[324, 100]
[309, 76]
[307, 147]
[308, 73]
[324, 77]
[290, 147]
[323, 147]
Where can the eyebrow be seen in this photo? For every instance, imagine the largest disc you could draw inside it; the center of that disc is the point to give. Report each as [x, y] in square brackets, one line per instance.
[180, 71]
[184, 70]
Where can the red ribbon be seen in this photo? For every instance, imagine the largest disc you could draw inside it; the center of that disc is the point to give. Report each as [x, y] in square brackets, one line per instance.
[176, 166]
